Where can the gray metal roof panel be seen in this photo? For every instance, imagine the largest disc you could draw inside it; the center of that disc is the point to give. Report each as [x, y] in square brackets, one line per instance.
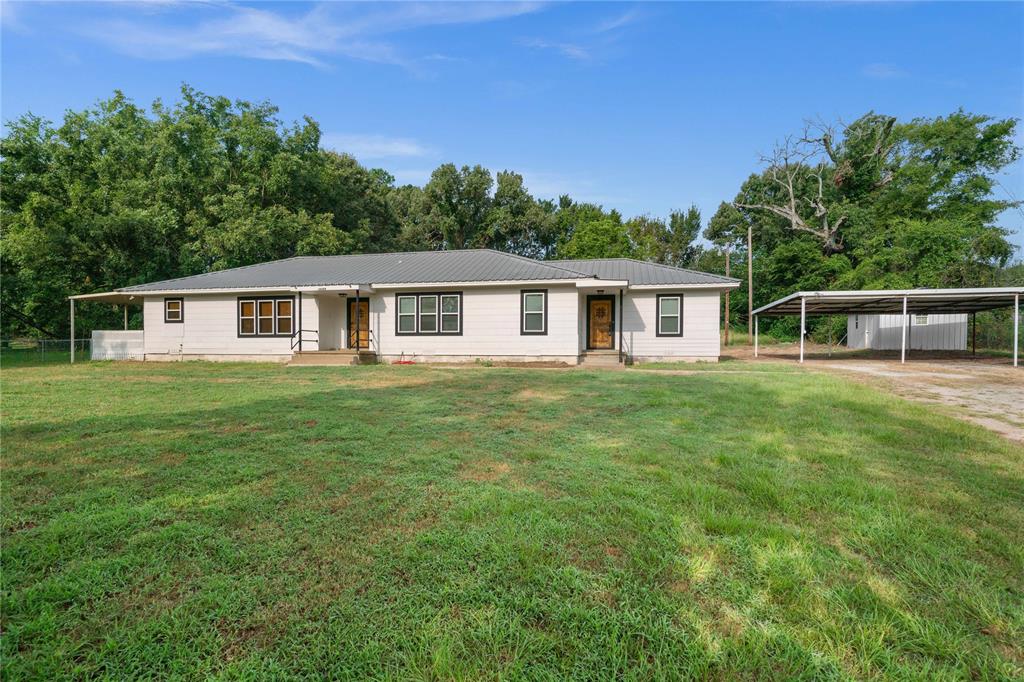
[473, 265]
[641, 272]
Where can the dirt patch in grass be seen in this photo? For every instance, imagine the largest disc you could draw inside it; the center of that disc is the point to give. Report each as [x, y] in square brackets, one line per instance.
[171, 458]
[383, 380]
[357, 492]
[240, 427]
[484, 470]
[531, 394]
[149, 378]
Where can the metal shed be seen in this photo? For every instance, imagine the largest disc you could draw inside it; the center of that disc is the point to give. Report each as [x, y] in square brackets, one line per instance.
[904, 302]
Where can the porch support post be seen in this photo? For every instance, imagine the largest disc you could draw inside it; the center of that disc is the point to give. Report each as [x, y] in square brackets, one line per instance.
[903, 336]
[755, 336]
[357, 320]
[126, 317]
[72, 331]
[1016, 326]
[621, 315]
[803, 325]
[299, 316]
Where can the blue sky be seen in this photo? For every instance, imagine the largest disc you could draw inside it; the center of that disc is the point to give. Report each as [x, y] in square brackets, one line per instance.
[640, 107]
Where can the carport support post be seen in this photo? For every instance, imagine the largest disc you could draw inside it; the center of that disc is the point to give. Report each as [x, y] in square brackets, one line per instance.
[1016, 325]
[72, 331]
[803, 325]
[903, 336]
[755, 336]
[974, 333]
[126, 317]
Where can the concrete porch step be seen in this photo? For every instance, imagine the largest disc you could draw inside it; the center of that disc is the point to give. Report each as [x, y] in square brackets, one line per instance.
[601, 359]
[322, 358]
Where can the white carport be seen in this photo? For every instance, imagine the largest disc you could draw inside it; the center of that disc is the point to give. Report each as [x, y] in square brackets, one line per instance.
[903, 302]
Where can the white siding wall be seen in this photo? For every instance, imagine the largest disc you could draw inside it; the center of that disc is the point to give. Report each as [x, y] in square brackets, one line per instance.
[490, 328]
[329, 324]
[210, 331]
[700, 339]
[884, 332]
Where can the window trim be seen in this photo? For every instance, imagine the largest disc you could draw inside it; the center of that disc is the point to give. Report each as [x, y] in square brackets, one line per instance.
[658, 315]
[416, 296]
[441, 313]
[436, 314]
[255, 300]
[278, 316]
[181, 310]
[522, 312]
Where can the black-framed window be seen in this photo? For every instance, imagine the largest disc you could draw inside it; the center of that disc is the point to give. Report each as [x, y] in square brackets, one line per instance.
[434, 313]
[266, 316]
[533, 311]
[174, 310]
[670, 315]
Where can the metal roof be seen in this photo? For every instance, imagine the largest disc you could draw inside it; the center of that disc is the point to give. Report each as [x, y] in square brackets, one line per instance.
[474, 265]
[882, 301]
[641, 273]
[434, 267]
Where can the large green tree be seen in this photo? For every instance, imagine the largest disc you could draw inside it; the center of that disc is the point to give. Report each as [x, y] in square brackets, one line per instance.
[116, 195]
[877, 204]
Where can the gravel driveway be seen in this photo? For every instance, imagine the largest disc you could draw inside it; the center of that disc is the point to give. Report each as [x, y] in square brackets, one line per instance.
[987, 391]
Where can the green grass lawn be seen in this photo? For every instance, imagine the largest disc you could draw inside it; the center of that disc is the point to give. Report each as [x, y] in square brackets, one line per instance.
[240, 521]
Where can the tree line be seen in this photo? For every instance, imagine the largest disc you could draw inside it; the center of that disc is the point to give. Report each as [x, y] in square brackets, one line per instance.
[116, 195]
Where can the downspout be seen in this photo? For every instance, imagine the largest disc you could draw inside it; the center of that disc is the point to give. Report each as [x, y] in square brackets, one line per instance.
[622, 317]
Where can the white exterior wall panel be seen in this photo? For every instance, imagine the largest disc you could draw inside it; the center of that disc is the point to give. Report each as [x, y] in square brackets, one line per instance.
[700, 339]
[490, 327]
[885, 332]
[210, 331]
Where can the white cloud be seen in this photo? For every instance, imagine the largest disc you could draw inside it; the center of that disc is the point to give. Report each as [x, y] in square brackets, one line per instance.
[257, 33]
[10, 17]
[591, 40]
[569, 50]
[615, 23]
[883, 71]
[374, 146]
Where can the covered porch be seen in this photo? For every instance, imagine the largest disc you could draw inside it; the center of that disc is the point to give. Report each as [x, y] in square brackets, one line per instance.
[111, 344]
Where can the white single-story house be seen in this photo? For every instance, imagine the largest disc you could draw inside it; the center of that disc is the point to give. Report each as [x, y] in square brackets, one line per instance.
[925, 331]
[442, 306]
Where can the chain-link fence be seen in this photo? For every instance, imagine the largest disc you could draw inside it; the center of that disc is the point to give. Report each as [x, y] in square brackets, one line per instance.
[21, 352]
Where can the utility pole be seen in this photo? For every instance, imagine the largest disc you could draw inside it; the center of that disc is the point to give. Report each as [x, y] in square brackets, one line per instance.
[727, 296]
[750, 284]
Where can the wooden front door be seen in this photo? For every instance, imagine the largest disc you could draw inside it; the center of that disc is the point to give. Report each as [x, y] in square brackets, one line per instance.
[364, 323]
[600, 322]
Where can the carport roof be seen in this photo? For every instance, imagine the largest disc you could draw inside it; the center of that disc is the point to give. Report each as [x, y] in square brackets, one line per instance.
[882, 301]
